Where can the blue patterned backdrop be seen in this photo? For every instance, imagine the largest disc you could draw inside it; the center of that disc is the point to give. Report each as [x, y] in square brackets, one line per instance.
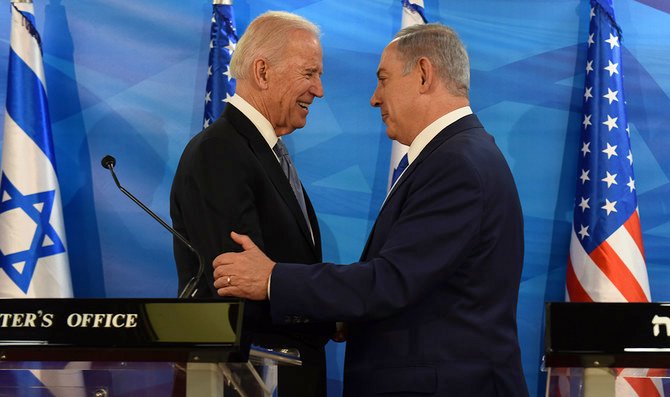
[127, 79]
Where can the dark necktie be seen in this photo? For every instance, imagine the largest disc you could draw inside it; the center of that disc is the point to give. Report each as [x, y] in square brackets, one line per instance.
[292, 175]
[404, 162]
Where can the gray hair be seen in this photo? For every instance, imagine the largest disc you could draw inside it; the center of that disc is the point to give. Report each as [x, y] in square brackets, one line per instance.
[441, 45]
[266, 37]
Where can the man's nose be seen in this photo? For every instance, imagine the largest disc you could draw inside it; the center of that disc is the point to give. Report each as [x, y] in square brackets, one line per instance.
[317, 88]
[375, 101]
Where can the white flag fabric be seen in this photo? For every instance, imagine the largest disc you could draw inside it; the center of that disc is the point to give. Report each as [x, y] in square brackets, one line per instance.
[33, 253]
[412, 14]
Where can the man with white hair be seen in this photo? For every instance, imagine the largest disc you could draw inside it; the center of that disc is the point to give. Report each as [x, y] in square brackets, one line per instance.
[237, 175]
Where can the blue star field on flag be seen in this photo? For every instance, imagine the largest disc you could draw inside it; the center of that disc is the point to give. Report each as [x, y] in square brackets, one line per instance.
[605, 196]
[223, 38]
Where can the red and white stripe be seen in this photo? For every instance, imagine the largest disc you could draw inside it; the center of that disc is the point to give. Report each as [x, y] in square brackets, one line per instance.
[613, 272]
[639, 382]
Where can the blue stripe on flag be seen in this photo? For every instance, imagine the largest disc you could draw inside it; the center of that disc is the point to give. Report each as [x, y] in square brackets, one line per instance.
[27, 104]
[418, 9]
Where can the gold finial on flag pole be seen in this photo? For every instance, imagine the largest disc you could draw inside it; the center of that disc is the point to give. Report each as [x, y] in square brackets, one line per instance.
[222, 2]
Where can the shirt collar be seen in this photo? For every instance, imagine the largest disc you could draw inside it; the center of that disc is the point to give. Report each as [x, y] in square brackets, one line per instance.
[257, 119]
[433, 129]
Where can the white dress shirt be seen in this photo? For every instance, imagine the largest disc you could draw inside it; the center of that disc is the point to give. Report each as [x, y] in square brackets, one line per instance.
[428, 133]
[257, 119]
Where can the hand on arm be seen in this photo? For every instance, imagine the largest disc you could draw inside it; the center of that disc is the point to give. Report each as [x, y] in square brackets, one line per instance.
[243, 274]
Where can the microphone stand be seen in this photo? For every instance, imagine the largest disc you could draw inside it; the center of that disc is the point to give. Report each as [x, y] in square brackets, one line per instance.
[190, 288]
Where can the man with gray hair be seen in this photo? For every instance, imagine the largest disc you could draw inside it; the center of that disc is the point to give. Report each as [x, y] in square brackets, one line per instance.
[237, 175]
[431, 306]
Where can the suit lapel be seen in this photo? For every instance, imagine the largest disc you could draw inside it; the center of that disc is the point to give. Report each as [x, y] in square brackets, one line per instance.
[266, 157]
[462, 124]
[315, 226]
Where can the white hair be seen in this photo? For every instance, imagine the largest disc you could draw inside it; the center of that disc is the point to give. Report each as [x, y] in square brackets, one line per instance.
[266, 37]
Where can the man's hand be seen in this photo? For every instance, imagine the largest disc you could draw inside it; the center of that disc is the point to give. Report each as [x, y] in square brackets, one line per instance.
[243, 274]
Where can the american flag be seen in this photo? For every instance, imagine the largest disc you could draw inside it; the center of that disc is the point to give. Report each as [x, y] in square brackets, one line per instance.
[412, 14]
[606, 253]
[223, 38]
[606, 262]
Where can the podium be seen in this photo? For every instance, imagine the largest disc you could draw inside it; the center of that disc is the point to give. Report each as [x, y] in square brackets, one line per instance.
[131, 347]
[590, 347]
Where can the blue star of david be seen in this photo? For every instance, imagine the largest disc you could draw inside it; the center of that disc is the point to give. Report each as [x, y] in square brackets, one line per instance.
[27, 203]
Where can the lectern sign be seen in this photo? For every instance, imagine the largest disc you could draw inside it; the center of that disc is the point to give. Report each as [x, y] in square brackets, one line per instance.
[126, 329]
[31, 320]
[608, 335]
[40, 319]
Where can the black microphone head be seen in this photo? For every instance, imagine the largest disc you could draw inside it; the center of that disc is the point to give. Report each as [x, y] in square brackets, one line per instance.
[108, 161]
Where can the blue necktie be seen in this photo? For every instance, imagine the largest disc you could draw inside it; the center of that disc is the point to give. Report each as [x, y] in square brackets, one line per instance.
[404, 162]
[292, 175]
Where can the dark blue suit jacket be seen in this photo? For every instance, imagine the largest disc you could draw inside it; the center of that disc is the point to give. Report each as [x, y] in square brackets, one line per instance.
[431, 306]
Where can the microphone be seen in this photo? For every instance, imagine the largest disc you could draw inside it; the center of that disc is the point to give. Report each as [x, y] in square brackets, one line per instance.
[190, 289]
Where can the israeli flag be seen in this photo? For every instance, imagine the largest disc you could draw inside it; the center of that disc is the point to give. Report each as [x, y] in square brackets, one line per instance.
[33, 249]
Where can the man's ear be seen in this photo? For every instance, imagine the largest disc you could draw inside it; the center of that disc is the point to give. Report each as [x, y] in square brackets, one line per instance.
[426, 73]
[259, 68]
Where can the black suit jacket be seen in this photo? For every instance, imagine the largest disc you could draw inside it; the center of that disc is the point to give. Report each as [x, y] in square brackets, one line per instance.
[229, 179]
[431, 306]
